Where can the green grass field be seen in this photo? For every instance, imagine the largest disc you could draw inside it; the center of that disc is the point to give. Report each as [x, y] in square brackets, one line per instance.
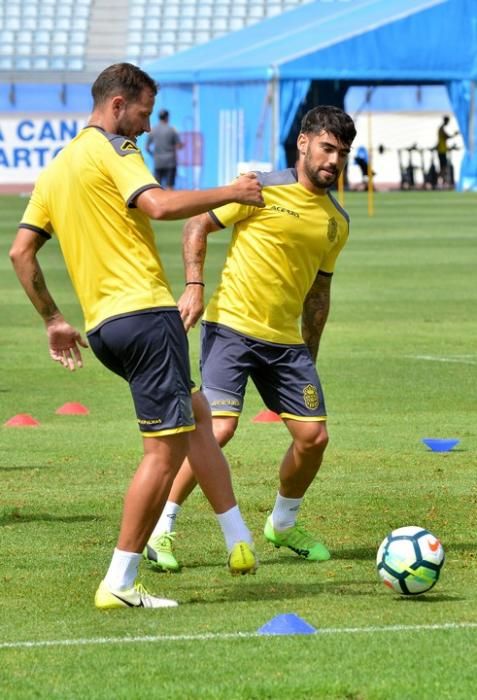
[398, 363]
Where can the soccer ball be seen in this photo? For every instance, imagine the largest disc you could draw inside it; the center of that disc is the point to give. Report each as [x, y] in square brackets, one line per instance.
[410, 560]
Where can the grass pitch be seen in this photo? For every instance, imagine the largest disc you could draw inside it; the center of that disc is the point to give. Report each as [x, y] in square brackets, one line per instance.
[398, 363]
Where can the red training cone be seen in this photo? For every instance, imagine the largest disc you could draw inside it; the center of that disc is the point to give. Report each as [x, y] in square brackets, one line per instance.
[72, 409]
[22, 420]
[266, 416]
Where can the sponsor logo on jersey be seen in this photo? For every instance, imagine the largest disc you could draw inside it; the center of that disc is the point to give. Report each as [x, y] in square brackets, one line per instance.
[284, 210]
[129, 146]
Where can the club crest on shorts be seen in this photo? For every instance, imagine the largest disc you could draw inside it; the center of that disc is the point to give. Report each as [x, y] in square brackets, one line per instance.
[332, 229]
[310, 397]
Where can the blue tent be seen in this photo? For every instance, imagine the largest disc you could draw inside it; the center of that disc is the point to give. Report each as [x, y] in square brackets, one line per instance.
[242, 91]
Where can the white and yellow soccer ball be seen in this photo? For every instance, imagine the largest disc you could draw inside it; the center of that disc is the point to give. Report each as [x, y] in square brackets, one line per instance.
[410, 560]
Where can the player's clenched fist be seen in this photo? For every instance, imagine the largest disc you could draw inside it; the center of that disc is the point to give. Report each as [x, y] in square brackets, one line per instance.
[249, 190]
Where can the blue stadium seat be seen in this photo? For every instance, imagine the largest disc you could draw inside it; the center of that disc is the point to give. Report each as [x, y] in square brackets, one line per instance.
[140, 11]
[45, 23]
[236, 23]
[202, 37]
[220, 24]
[187, 23]
[7, 36]
[40, 63]
[75, 64]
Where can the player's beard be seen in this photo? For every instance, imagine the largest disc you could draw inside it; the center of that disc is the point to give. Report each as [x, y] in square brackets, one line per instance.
[313, 174]
[125, 128]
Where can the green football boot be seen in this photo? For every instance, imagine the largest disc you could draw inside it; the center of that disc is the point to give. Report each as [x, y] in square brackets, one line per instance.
[298, 540]
[159, 552]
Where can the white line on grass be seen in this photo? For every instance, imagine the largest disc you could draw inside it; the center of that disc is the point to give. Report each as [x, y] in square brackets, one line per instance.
[459, 359]
[227, 635]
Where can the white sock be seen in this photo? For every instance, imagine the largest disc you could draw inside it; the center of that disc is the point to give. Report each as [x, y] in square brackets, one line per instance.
[285, 512]
[122, 571]
[167, 521]
[234, 528]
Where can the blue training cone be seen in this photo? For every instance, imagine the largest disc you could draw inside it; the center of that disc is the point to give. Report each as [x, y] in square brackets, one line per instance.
[441, 444]
[287, 624]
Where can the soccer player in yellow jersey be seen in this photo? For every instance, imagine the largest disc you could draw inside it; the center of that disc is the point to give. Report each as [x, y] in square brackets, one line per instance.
[443, 137]
[97, 197]
[279, 268]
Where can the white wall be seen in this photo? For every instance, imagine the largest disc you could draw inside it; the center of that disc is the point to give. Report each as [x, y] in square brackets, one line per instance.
[28, 142]
[400, 130]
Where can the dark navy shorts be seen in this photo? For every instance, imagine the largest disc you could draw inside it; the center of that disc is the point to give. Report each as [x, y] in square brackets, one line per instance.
[285, 375]
[149, 349]
[166, 177]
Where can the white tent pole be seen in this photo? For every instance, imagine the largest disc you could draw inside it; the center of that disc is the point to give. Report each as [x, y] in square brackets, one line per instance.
[275, 130]
[196, 111]
[473, 96]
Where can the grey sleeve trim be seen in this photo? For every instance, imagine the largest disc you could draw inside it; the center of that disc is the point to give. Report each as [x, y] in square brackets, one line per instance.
[130, 203]
[214, 218]
[36, 229]
[277, 177]
[339, 207]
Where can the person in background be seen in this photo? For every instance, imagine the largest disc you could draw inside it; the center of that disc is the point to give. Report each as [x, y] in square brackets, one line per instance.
[163, 143]
[443, 137]
[97, 196]
[278, 269]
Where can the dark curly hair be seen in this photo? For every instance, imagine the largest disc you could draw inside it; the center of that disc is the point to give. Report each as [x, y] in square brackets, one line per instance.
[331, 119]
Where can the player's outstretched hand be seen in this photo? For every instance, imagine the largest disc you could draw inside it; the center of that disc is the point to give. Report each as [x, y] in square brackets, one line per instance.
[249, 190]
[64, 342]
[191, 305]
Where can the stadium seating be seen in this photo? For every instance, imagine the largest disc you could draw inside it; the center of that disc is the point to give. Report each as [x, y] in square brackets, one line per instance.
[180, 24]
[83, 36]
[43, 34]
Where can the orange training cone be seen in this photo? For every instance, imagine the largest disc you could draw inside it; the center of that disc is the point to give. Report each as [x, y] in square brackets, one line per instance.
[72, 409]
[267, 416]
[22, 420]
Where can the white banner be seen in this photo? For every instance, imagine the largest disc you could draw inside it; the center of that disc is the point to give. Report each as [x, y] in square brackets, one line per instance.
[28, 143]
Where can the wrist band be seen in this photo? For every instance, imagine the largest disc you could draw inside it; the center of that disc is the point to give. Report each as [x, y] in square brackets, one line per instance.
[201, 284]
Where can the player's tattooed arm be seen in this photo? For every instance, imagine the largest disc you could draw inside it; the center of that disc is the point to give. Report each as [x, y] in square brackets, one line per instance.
[45, 304]
[23, 255]
[194, 249]
[64, 341]
[315, 313]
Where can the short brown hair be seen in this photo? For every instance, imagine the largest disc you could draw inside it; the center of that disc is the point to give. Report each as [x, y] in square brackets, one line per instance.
[121, 79]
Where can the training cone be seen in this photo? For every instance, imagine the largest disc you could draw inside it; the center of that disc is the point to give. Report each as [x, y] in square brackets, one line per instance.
[287, 624]
[72, 409]
[22, 420]
[266, 416]
[441, 444]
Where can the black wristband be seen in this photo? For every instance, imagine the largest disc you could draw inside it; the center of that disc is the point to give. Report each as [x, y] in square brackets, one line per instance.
[201, 284]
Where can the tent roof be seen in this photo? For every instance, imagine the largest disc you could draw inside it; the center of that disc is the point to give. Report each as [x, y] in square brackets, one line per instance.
[353, 40]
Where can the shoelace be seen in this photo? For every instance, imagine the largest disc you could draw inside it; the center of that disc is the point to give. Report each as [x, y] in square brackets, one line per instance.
[141, 589]
[300, 537]
[166, 540]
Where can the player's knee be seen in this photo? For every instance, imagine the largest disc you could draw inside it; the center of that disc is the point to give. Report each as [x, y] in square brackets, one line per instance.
[313, 441]
[224, 429]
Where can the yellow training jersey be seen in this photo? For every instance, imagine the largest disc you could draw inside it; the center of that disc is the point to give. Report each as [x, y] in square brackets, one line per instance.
[442, 138]
[85, 196]
[274, 256]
